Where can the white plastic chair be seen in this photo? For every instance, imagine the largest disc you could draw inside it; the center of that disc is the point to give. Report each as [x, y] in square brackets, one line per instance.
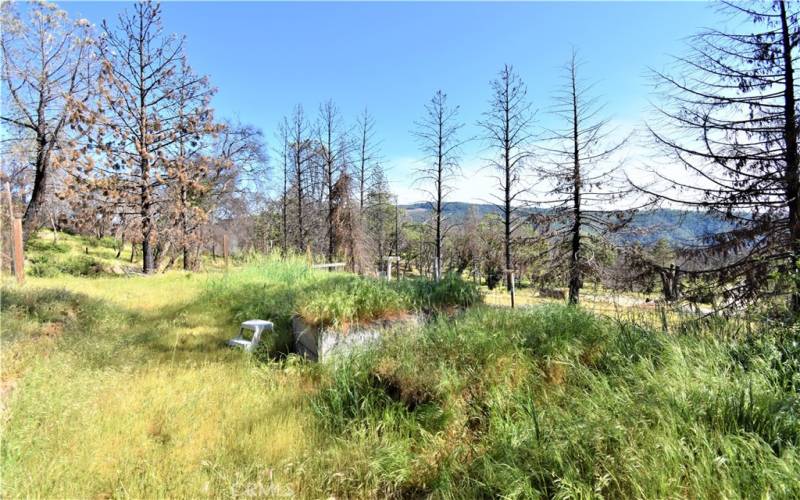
[257, 326]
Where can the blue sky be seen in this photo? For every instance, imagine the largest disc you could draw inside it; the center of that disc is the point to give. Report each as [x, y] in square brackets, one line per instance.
[264, 57]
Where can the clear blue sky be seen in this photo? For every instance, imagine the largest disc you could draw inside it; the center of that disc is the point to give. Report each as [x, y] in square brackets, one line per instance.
[265, 57]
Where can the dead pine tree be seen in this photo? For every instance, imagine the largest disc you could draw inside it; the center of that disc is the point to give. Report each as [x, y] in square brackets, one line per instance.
[283, 139]
[584, 180]
[507, 131]
[728, 116]
[367, 155]
[47, 65]
[131, 124]
[301, 152]
[190, 165]
[437, 133]
[333, 149]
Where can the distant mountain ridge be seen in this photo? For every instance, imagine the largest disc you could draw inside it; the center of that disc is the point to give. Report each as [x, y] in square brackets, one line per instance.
[678, 227]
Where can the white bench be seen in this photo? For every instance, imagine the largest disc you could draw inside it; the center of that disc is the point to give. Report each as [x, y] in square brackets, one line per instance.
[257, 326]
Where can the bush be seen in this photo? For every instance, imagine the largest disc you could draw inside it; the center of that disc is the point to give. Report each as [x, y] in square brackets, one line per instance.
[81, 265]
[39, 245]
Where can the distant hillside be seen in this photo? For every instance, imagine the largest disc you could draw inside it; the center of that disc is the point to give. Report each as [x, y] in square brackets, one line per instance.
[679, 227]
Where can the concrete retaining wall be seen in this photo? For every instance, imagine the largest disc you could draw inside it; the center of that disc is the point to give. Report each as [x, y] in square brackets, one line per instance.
[319, 344]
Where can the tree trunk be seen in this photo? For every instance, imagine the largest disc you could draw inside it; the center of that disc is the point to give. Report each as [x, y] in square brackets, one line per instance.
[121, 245]
[507, 221]
[187, 259]
[30, 220]
[284, 210]
[300, 235]
[792, 174]
[147, 232]
[331, 238]
[575, 280]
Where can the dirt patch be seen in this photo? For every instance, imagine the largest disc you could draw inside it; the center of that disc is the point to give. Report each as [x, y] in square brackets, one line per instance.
[6, 389]
[555, 372]
[410, 389]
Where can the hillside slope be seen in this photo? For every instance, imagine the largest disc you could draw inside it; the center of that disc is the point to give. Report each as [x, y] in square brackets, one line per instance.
[678, 227]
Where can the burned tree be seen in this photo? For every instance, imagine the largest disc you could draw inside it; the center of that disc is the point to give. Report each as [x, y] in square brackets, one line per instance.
[367, 156]
[437, 134]
[301, 152]
[132, 126]
[191, 171]
[380, 217]
[584, 181]
[283, 138]
[507, 126]
[333, 149]
[729, 117]
[47, 64]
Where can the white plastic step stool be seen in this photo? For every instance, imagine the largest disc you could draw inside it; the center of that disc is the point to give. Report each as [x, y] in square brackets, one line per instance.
[258, 326]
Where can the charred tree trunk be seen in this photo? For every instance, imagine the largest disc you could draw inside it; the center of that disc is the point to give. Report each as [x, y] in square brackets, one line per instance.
[575, 279]
[792, 174]
[670, 282]
[507, 199]
[30, 220]
[148, 260]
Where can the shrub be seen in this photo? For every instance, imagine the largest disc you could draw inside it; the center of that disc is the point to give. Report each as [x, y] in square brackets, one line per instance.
[42, 246]
[81, 265]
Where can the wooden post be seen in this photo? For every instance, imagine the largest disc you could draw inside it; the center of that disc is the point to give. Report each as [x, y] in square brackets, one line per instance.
[309, 256]
[10, 204]
[512, 291]
[225, 249]
[19, 256]
[18, 259]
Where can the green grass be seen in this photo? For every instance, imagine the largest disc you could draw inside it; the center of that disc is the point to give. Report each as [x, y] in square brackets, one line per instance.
[122, 387]
[556, 402]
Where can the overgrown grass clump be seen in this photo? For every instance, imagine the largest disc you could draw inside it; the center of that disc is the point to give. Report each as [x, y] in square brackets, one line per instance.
[556, 402]
[277, 289]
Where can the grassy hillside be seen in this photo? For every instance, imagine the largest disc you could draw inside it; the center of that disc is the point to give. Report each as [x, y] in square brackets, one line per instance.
[121, 386]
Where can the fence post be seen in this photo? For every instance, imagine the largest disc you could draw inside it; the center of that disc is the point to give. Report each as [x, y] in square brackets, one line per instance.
[19, 256]
[225, 249]
[664, 322]
[513, 286]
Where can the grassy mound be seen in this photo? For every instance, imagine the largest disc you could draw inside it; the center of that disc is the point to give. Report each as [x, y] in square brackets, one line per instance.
[276, 289]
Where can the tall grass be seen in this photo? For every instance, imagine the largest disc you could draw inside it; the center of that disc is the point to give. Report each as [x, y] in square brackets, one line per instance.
[555, 402]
